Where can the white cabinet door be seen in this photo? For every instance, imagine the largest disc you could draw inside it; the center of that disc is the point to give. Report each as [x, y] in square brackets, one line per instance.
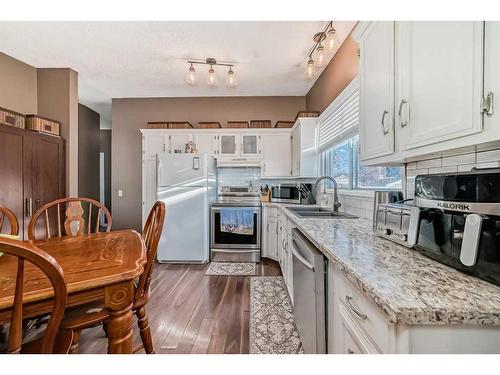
[250, 145]
[296, 151]
[277, 155]
[206, 143]
[491, 72]
[376, 74]
[271, 240]
[154, 143]
[438, 81]
[228, 144]
[177, 141]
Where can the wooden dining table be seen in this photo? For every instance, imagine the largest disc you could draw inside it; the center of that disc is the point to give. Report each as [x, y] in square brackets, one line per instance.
[97, 267]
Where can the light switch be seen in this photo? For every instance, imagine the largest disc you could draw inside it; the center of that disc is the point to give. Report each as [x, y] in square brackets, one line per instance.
[120, 193]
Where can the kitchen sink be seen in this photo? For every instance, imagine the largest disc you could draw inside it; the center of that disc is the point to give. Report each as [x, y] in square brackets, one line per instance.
[320, 213]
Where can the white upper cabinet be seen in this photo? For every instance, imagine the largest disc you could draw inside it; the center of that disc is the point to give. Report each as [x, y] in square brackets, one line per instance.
[491, 77]
[376, 127]
[154, 143]
[439, 81]
[206, 143]
[277, 154]
[177, 141]
[304, 148]
[250, 145]
[228, 144]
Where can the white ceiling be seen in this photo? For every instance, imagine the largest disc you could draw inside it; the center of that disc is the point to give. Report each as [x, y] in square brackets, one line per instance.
[148, 59]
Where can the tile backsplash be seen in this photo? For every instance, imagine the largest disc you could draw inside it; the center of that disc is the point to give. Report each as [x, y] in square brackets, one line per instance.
[458, 160]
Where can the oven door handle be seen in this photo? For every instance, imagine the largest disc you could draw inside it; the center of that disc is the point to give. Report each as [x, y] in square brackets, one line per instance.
[300, 258]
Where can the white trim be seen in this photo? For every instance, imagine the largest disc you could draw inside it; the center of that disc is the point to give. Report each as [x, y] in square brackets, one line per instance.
[357, 193]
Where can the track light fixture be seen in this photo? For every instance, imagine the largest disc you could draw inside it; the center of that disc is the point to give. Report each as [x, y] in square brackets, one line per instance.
[212, 76]
[318, 50]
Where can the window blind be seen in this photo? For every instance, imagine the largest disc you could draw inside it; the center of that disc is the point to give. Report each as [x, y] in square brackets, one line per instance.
[340, 120]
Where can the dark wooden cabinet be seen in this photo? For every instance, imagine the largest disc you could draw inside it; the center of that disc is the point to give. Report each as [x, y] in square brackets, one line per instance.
[32, 171]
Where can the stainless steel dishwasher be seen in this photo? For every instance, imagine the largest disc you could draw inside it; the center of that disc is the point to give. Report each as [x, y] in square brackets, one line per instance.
[309, 291]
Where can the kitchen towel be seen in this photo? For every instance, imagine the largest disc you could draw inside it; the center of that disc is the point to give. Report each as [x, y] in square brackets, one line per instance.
[237, 220]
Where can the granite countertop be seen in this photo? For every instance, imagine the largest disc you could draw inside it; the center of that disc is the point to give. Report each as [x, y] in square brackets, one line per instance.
[407, 286]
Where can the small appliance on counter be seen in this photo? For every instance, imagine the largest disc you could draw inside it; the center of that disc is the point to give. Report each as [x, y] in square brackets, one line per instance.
[384, 197]
[291, 193]
[397, 222]
[235, 225]
[459, 221]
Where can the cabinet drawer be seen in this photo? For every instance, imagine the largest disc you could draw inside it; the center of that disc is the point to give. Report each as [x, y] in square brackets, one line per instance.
[353, 339]
[272, 211]
[366, 315]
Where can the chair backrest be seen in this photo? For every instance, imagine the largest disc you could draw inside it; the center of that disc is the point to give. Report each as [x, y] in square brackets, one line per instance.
[5, 213]
[27, 252]
[151, 235]
[68, 217]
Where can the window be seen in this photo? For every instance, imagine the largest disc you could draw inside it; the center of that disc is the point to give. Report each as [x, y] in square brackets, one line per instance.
[339, 147]
[341, 161]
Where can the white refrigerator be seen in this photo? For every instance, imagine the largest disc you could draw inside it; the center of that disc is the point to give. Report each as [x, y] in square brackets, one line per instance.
[187, 185]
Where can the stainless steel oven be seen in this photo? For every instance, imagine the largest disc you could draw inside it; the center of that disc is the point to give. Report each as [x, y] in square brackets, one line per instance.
[234, 246]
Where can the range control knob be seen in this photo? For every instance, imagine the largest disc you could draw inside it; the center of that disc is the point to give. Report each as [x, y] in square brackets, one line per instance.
[388, 231]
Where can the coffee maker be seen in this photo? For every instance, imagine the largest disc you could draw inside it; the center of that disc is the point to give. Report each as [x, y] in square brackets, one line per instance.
[459, 221]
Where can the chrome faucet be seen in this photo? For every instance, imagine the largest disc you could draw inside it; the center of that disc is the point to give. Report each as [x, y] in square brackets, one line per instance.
[336, 203]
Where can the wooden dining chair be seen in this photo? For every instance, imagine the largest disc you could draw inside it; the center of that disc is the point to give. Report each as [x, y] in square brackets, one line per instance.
[93, 315]
[29, 253]
[7, 215]
[68, 217]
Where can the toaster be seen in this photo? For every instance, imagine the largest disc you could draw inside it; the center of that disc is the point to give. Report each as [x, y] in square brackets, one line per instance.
[397, 222]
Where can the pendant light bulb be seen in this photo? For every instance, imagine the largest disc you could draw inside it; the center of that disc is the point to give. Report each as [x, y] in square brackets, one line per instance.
[332, 33]
[191, 77]
[310, 68]
[231, 79]
[321, 55]
[212, 79]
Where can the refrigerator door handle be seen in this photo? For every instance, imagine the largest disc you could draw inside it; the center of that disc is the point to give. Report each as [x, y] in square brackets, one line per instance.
[196, 163]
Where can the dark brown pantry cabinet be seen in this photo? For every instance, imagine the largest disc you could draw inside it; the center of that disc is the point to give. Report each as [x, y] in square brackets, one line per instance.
[32, 171]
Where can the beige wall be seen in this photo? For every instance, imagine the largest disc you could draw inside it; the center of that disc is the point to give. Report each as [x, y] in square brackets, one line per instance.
[129, 115]
[58, 100]
[337, 75]
[18, 85]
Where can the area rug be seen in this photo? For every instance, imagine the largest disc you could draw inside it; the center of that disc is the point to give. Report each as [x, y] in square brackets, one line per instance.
[230, 269]
[272, 324]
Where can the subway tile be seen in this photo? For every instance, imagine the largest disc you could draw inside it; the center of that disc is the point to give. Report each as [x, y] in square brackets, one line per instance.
[488, 156]
[459, 160]
[491, 164]
[466, 167]
[431, 163]
[412, 165]
[416, 172]
[459, 151]
[449, 169]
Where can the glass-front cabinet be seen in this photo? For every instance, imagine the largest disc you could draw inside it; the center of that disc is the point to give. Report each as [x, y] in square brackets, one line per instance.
[228, 145]
[250, 145]
[239, 145]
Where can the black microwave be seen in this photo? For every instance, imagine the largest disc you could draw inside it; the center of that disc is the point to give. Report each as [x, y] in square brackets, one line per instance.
[289, 193]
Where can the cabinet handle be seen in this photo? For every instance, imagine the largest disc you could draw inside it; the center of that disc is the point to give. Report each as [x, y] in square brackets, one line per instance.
[382, 122]
[362, 316]
[488, 104]
[29, 207]
[400, 113]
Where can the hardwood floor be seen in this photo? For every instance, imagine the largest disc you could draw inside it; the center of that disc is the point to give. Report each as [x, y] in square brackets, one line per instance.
[192, 313]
